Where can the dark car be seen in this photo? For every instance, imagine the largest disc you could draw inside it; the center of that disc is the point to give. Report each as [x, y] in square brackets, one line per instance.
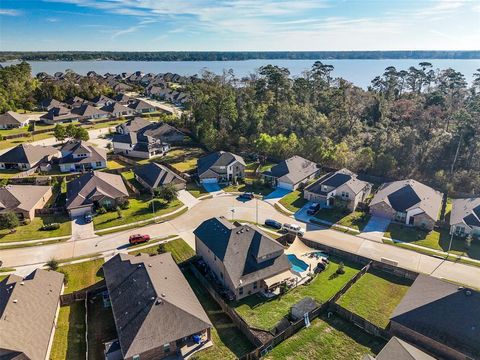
[138, 239]
[247, 195]
[274, 224]
[88, 218]
[313, 209]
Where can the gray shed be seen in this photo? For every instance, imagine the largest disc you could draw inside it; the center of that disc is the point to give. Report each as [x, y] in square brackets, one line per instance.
[302, 307]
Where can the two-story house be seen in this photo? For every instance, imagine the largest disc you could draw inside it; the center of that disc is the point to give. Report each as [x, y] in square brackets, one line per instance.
[220, 167]
[337, 187]
[465, 217]
[82, 156]
[137, 145]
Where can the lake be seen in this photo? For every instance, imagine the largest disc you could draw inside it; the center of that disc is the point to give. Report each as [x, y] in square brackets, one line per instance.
[360, 72]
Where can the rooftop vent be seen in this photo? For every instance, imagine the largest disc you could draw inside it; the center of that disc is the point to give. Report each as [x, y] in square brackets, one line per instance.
[139, 265]
[15, 301]
[164, 295]
[22, 283]
[149, 265]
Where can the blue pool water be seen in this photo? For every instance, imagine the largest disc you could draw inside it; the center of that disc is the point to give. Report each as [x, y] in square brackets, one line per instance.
[297, 264]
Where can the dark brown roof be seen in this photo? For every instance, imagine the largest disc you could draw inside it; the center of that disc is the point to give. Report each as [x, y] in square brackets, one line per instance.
[397, 349]
[156, 175]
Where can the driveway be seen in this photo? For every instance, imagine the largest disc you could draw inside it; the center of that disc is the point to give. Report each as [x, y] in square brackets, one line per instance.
[276, 195]
[82, 230]
[212, 187]
[301, 215]
[375, 228]
[188, 199]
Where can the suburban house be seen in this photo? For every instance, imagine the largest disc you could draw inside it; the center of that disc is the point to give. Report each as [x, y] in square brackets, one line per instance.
[76, 101]
[243, 258]
[26, 156]
[441, 317]
[101, 100]
[94, 189]
[11, 120]
[291, 173]
[89, 112]
[141, 107]
[338, 187]
[117, 110]
[156, 313]
[59, 115]
[137, 145]
[123, 99]
[397, 349]
[154, 175]
[47, 104]
[164, 132]
[408, 202]
[220, 167]
[465, 217]
[82, 156]
[23, 200]
[133, 125]
[28, 314]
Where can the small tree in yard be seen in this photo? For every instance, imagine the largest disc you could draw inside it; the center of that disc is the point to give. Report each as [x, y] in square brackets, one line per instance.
[9, 220]
[161, 249]
[59, 132]
[119, 212]
[341, 269]
[167, 192]
[81, 134]
[52, 264]
[468, 241]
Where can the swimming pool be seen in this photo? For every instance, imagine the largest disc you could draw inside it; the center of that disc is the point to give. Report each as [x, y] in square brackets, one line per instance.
[297, 264]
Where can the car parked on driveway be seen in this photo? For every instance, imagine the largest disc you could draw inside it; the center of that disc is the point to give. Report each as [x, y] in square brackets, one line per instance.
[273, 223]
[87, 218]
[247, 195]
[138, 239]
[312, 209]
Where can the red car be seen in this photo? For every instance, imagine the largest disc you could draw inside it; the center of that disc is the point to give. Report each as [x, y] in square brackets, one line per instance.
[138, 239]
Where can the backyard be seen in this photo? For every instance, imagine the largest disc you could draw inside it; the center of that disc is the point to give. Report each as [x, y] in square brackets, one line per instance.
[184, 159]
[328, 339]
[266, 313]
[33, 230]
[375, 295]
[82, 275]
[69, 339]
[179, 249]
[101, 327]
[355, 220]
[293, 201]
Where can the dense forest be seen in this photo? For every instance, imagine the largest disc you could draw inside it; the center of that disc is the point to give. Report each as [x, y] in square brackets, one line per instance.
[418, 123]
[231, 55]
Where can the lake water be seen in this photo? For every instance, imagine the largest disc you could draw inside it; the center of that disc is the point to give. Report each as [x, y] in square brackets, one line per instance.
[360, 72]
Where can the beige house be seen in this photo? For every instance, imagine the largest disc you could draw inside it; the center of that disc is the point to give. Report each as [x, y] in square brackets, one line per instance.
[23, 200]
[336, 187]
[26, 156]
[11, 119]
[243, 258]
[465, 217]
[291, 173]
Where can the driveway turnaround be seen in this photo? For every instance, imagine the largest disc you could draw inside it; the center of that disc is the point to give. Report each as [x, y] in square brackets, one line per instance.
[276, 195]
[375, 228]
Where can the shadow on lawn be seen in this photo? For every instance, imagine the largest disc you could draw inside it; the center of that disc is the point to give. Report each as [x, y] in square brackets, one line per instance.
[76, 332]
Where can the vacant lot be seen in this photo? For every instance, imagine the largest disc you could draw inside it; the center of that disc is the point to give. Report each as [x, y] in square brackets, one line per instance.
[101, 327]
[355, 220]
[184, 159]
[180, 250]
[32, 231]
[293, 201]
[266, 313]
[82, 275]
[375, 296]
[69, 341]
[328, 339]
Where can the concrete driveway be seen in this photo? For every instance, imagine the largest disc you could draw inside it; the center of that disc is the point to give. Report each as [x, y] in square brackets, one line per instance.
[82, 230]
[276, 195]
[187, 199]
[375, 228]
[301, 215]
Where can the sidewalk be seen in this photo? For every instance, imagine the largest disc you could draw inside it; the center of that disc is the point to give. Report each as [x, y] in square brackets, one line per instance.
[14, 243]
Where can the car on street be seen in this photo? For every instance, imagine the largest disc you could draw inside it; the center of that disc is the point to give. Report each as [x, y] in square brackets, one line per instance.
[294, 229]
[138, 239]
[312, 209]
[273, 224]
[247, 195]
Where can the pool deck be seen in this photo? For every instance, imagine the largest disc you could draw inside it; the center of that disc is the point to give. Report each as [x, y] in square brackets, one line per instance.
[301, 251]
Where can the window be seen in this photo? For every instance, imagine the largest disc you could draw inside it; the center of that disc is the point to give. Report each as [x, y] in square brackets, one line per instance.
[255, 285]
[166, 348]
[98, 163]
[240, 291]
[221, 275]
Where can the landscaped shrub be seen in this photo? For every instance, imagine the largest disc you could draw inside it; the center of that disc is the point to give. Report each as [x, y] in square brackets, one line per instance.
[49, 227]
[101, 210]
[66, 276]
[123, 204]
[52, 264]
[157, 204]
[341, 269]
[26, 222]
[8, 220]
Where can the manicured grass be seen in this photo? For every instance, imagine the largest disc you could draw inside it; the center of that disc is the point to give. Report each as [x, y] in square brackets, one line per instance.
[32, 231]
[249, 186]
[101, 327]
[327, 339]
[293, 201]
[196, 190]
[355, 220]
[114, 164]
[138, 210]
[9, 173]
[184, 159]
[24, 130]
[266, 313]
[104, 125]
[267, 166]
[180, 250]
[130, 177]
[8, 143]
[228, 341]
[69, 339]
[250, 170]
[82, 275]
[3, 277]
[375, 295]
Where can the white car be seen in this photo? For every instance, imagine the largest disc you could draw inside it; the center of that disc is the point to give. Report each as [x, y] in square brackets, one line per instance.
[294, 229]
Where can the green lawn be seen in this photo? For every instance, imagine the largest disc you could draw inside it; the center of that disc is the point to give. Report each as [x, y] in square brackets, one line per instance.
[294, 201]
[266, 313]
[114, 164]
[4, 144]
[327, 339]
[82, 275]
[130, 177]
[101, 327]
[32, 231]
[180, 250]
[250, 170]
[355, 220]
[139, 210]
[266, 166]
[375, 295]
[184, 159]
[438, 239]
[249, 186]
[228, 342]
[196, 190]
[7, 174]
[69, 339]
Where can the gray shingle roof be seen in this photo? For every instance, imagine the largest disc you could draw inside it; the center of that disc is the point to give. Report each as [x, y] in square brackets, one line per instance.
[219, 158]
[152, 302]
[337, 179]
[156, 175]
[160, 130]
[135, 124]
[23, 197]
[467, 211]
[82, 147]
[140, 105]
[13, 118]
[28, 154]
[397, 349]
[442, 311]
[241, 250]
[115, 108]
[292, 170]
[87, 110]
[409, 194]
[27, 311]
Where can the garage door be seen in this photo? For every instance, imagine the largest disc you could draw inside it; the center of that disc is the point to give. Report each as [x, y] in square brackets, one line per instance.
[286, 186]
[79, 212]
[209, 181]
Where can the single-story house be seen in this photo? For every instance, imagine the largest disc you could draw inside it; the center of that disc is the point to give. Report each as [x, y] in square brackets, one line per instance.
[76, 101]
[116, 109]
[133, 125]
[92, 189]
[397, 349]
[11, 119]
[156, 312]
[89, 112]
[408, 202]
[441, 317]
[101, 100]
[220, 167]
[29, 309]
[26, 156]
[123, 99]
[59, 115]
[465, 217]
[291, 173]
[154, 175]
[47, 104]
[82, 156]
[338, 187]
[137, 145]
[243, 258]
[23, 200]
[141, 107]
